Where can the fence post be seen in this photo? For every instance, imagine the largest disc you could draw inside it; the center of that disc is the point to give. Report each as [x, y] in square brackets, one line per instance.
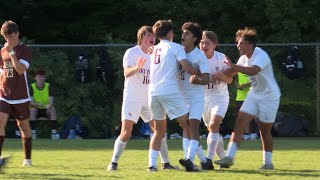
[317, 132]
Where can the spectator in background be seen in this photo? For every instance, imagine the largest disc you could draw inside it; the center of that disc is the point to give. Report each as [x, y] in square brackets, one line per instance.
[15, 100]
[243, 85]
[42, 101]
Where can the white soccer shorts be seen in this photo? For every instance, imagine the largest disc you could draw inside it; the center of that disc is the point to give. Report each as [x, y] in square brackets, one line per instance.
[174, 105]
[214, 106]
[132, 110]
[196, 105]
[263, 108]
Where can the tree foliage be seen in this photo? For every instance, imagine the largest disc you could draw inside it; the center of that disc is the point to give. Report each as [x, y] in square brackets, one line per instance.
[98, 21]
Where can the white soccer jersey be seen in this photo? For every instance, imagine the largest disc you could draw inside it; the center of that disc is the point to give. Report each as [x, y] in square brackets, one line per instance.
[263, 84]
[197, 59]
[136, 86]
[164, 68]
[219, 90]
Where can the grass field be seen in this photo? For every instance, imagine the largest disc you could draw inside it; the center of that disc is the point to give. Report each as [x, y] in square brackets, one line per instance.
[294, 158]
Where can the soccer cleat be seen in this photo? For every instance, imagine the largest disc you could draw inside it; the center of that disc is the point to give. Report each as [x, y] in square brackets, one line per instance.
[267, 167]
[196, 169]
[223, 166]
[169, 166]
[112, 166]
[27, 163]
[207, 165]
[187, 164]
[152, 169]
[226, 161]
[3, 162]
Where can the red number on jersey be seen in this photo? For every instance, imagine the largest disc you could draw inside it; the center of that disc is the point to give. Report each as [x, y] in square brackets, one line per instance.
[157, 56]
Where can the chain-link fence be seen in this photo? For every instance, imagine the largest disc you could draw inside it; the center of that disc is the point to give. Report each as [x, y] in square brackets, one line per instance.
[97, 99]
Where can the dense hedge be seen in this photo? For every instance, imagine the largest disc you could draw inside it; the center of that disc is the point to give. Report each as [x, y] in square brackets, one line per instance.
[94, 21]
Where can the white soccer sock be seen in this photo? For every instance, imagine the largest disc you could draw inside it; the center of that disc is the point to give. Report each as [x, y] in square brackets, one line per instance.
[267, 157]
[220, 148]
[212, 140]
[193, 146]
[185, 146]
[118, 149]
[232, 149]
[153, 156]
[200, 153]
[164, 151]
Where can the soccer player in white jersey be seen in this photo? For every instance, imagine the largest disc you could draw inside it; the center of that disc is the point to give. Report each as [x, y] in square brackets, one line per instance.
[262, 100]
[216, 94]
[193, 93]
[136, 64]
[164, 94]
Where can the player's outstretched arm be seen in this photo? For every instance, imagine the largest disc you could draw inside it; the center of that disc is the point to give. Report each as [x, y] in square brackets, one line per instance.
[221, 76]
[188, 68]
[203, 79]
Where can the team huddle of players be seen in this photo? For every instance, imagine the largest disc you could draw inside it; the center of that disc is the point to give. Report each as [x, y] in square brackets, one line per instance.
[189, 82]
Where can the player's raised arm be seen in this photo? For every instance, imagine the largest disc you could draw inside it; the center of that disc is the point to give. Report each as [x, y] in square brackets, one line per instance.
[221, 76]
[230, 71]
[235, 68]
[17, 64]
[129, 71]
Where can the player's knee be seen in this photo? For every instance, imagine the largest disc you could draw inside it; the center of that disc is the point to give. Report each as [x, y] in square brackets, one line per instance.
[24, 128]
[213, 126]
[125, 136]
[238, 130]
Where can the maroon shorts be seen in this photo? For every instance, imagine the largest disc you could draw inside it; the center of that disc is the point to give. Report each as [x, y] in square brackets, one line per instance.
[17, 111]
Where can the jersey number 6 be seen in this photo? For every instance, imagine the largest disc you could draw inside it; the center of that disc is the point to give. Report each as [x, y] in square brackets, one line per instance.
[157, 56]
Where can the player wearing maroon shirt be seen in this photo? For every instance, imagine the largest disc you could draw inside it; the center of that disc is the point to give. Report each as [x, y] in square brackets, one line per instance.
[14, 92]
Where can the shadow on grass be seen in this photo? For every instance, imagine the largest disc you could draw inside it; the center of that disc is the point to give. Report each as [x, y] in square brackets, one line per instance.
[143, 144]
[50, 176]
[59, 176]
[277, 172]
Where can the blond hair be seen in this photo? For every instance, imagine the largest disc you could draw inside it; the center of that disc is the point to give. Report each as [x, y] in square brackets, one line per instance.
[211, 35]
[142, 32]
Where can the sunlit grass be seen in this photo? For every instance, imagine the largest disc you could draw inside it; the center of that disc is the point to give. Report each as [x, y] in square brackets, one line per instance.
[294, 158]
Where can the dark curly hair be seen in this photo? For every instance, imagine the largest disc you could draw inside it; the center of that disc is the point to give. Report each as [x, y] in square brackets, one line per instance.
[195, 29]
